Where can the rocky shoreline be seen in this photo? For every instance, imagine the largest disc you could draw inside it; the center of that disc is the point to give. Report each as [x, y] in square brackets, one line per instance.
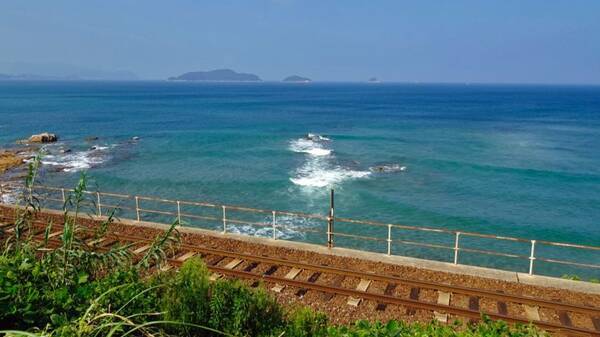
[13, 162]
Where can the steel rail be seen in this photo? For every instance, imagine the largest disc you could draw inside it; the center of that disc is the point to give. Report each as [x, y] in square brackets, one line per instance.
[380, 297]
[390, 279]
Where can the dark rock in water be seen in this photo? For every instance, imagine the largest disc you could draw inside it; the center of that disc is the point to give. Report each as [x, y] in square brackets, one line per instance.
[91, 138]
[42, 138]
[387, 168]
[64, 150]
[316, 138]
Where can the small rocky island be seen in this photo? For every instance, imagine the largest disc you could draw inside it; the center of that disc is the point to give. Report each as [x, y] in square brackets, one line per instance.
[219, 75]
[297, 79]
[374, 80]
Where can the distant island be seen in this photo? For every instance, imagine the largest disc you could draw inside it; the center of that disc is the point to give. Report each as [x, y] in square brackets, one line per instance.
[374, 80]
[219, 75]
[296, 78]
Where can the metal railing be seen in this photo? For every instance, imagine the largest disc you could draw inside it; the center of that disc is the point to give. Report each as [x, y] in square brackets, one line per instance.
[222, 217]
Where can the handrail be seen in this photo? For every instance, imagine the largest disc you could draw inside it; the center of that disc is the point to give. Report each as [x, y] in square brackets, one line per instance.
[224, 217]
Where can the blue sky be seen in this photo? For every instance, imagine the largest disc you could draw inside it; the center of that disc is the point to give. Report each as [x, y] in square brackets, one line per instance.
[516, 41]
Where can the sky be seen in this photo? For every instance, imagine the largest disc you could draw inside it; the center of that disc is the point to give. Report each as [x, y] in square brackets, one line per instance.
[489, 41]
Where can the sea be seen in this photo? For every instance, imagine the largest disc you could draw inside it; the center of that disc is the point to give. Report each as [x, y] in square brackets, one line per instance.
[508, 160]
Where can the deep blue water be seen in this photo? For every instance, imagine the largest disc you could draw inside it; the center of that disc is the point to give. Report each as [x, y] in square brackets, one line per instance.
[510, 160]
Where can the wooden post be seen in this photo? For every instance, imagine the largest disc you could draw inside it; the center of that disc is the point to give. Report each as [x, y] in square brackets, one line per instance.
[330, 220]
[178, 213]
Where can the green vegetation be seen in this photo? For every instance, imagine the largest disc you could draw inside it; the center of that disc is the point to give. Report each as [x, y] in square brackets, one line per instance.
[574, 277]
[63, 286]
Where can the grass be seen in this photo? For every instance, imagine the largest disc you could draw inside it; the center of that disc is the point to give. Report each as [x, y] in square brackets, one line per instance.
[66, 287]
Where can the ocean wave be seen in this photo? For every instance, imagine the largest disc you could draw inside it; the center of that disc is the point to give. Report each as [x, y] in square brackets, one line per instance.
[10, 193]
[319, 169]
[316, 175]
[287, 227]
[78, 161]
[309, 146]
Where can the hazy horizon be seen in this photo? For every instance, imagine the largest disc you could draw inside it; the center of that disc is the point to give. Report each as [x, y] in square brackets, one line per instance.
[465, 41]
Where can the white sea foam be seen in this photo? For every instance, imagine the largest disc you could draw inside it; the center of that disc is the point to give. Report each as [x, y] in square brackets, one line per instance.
[287, 227]
[304, 145]
[78, 161]
[315, 176]
[319, 169]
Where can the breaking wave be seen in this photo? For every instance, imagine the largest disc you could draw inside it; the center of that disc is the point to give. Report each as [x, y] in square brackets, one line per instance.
[73, 161]
[320, 169]
[311, 147]
[288, 227]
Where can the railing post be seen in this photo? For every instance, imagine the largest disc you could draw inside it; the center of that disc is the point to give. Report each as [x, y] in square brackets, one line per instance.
[224, 221]
[456, 247]
[389, 240]
[64, 198]
[99, 206]
[178, 213]
[137, 207]
[532, 257]
[330, 220]
[274, 226]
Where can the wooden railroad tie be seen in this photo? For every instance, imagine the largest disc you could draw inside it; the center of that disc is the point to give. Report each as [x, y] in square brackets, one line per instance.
[362, 286]
[141, 249]
[337, 282]
[312, 279]
[531, 312]
[389, 291]
[95, 242]
[57, 233]
[414, 295]
[443, 299]
[185, 256]
[290, 276]
[596, 322]
[232, 264]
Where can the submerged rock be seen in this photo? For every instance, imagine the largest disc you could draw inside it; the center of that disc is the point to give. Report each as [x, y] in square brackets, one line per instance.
[316, 138]
[387, 168]
[91, 138]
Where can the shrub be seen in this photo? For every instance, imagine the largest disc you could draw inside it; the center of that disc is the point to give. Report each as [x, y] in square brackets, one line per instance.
[186, 298]
[240, 310]
[304, 322]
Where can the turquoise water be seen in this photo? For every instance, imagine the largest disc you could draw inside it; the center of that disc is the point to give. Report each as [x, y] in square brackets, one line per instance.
[510, 160]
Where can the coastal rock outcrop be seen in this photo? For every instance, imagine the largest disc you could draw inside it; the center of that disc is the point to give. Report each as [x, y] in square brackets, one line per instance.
[9, 160]
[44, 137]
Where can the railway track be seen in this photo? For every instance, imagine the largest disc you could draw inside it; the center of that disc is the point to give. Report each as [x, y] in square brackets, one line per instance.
[281, 274]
